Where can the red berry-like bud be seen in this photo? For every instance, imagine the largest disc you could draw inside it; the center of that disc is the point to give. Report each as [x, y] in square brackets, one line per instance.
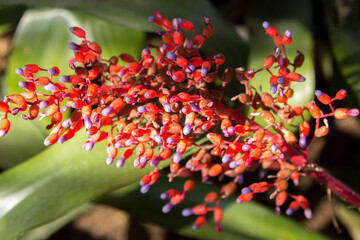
[77, 32]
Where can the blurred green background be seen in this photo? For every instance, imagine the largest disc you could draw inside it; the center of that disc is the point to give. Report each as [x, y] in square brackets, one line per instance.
[59, 192]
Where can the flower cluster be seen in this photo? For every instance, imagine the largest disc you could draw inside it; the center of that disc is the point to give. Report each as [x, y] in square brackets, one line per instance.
[158, 107]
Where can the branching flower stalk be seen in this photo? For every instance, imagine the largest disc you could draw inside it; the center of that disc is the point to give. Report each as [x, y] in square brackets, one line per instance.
[159, 106]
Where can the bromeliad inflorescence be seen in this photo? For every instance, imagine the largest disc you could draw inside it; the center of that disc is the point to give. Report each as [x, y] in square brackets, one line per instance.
[158, 107]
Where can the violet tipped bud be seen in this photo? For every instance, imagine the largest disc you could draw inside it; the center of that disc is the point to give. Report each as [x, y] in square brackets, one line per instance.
[187, 212]
[273, 88]
[177, 157]
[109, 160]
[120, 162]
[266, 25]
[106, 111]
[89, 146]
[167, 207]
[186, 129]
[144, 189]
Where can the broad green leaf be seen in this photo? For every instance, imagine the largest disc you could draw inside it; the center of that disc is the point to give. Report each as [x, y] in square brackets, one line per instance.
[43, 35]
[57, 180]
[241, 221]
[42, 38]
[282, 17]
[350, 218]
[45, 231]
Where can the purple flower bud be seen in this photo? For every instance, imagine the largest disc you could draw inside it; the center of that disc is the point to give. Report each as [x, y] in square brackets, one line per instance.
[203, 72]
[302, 142]
[164, 196]
[167, 207]
[89, 146]
[122, 72]
[23, 84]
[109, 160]
[15, 111]
[190, 44]
[46, 142]
[273, 88]
[302, 79]
[145, 51]
[144, 189]
[170, 140]
[190, 69]
[308, 213]
[157, 138]
[141, 109]
[246, 147]
[280, 80]
[280, 61]
[151, 19]
[19, 71]
[273, 148]
[164, 46]
[287, 33]
[167, 107]
[289, 211]
[106, 111]
[155, 161]
[171, 55]
[240, 179]
[62, 139]
[51, 72]
[64, 79]
[266, 25]
[246, 190]
[63, 109]
[177, 157]
[117, 145]
[50, 87]
[195, 108]
[186, 129]
[176, 24]
[130, 142]
[231, 130]
[233, 164]
[87, 122]
[73, 46]
[143, 159]
[187, 212]
[318, 93]
[120, 162]
[127, 99]
[43, 104]
[225, 158]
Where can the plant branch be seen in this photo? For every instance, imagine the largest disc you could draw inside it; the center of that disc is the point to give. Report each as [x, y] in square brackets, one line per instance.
[337, 187]
[313, 170]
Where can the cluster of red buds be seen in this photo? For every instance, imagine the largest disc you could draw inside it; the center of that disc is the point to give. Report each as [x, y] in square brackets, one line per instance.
[158, 107]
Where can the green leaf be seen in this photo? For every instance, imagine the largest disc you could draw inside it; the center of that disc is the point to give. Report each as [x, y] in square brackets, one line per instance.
[45, 231]
[43, 35]
[241, 221]
[42, 38]
[55, 181]
[350, 218]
